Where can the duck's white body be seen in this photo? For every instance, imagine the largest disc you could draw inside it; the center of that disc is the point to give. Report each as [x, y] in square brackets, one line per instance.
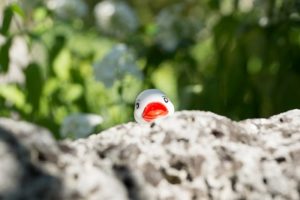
[152, 104]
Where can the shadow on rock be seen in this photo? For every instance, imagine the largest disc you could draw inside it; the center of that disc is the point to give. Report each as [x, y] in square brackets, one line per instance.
[19, 177]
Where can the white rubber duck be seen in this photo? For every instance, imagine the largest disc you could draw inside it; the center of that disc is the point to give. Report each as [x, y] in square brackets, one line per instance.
[152, 104]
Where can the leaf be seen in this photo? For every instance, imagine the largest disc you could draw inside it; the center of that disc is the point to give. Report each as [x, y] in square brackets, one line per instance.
[71, 92]
[13, 94]
[17, 9]
[8, 14]
[164, 78]
[34, 84]
[58, 45]
[62, 64]
[4, 56]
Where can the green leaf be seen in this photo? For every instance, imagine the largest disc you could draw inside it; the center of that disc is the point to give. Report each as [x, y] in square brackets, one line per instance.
[13, 94]
[17, 9]
[73, 92]
[62, 64]
[4, 56]
[58, 45]
[8, 14]
[34, 85]
[164, 78]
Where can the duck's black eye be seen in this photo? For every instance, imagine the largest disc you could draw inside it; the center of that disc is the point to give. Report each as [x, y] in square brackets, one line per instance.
[137, 105]
[166, 100]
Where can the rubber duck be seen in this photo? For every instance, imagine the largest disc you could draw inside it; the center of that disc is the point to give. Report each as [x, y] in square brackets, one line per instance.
[152, 104]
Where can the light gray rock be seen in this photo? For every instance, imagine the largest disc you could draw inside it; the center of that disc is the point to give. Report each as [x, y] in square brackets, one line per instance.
[191, 155]
[23, 150]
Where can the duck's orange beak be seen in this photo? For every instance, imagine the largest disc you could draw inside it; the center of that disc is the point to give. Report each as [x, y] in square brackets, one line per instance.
[154, 110]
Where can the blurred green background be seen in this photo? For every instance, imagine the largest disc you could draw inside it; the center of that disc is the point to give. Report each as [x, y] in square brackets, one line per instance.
[238, 58]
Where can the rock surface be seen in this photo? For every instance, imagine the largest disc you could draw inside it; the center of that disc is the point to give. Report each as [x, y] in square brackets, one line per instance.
[191, 155]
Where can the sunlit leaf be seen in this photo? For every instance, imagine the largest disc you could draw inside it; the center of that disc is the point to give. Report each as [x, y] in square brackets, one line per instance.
[12, 94]
[72, 92]
[62, 64]
[164, 78]
[17, 9]
[59, 43]
[51, 85]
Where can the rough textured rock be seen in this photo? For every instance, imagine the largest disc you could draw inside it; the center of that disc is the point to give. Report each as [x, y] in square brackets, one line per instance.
[191, 155]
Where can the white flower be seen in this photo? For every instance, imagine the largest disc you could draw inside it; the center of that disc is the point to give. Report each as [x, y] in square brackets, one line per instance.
[246, 5]
[68, 8]
[115, 65]
[79, 125]
[115, 18]
[174, 24]
[19, 59]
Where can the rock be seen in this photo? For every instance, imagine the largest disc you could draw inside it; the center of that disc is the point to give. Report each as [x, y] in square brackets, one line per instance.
[23, 149]
[191, 155]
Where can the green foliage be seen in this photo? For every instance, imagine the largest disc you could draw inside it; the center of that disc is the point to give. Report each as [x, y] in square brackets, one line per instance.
[34, 85]
[7, 16]
[236, 58]
[4, 55]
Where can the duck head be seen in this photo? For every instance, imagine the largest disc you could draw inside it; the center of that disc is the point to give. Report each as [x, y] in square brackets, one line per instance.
[152, 104]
